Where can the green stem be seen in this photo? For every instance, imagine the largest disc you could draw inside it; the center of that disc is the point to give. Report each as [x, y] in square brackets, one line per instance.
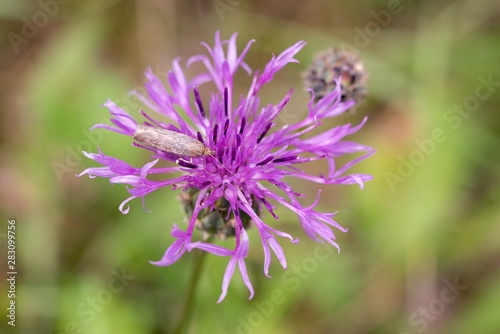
[187, 311]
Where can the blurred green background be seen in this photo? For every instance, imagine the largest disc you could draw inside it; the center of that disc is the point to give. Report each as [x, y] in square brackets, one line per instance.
[429, 220]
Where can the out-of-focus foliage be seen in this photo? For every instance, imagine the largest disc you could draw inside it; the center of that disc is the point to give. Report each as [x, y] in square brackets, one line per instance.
[429, 219]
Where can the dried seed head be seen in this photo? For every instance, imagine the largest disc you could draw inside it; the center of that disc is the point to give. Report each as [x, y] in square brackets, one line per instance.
[334, 64]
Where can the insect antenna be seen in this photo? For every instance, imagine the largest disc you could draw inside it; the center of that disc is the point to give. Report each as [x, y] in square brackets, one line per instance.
[220, 163]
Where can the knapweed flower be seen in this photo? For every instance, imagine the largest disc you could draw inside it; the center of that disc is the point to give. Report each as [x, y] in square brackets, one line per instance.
[244, 159]
[332, 66]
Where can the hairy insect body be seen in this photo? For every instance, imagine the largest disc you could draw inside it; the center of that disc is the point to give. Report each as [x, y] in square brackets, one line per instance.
[170, 142]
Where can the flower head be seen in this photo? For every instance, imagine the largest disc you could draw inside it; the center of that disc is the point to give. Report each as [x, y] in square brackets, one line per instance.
[332, 66]
[244, 158]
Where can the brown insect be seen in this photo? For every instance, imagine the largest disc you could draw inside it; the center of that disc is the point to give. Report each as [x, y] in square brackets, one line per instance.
[170, 142]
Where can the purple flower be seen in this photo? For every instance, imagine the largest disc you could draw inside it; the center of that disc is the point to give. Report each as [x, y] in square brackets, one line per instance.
[250, 156]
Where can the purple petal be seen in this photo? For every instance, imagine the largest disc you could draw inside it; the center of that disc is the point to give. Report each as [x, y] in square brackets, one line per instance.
[176, 250]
